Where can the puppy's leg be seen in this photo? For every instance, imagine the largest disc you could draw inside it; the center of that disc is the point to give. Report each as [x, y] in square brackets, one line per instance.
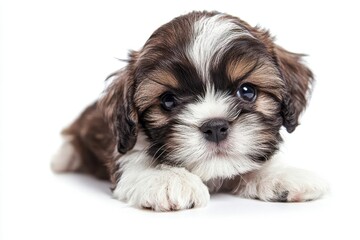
[278, 183]
[88, 146]
[161, 187]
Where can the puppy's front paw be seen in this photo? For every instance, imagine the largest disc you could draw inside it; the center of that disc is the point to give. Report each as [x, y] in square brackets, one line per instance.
[164, 189]
[291, 185]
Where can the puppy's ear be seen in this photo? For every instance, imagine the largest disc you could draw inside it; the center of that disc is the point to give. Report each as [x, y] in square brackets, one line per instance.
[117, 105]
[298, 79]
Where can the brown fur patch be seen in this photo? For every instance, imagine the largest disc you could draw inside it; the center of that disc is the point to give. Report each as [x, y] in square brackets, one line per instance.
[157, 117]
[264, 75]
[150, 89]
[266, 105]
[239, 68]
[266, 79]
[298, 81]
[94, 141]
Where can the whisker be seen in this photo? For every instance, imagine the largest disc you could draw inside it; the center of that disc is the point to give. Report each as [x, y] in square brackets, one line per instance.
[157, 158]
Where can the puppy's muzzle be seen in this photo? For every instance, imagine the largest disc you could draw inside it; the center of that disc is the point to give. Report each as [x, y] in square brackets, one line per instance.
[215, 130]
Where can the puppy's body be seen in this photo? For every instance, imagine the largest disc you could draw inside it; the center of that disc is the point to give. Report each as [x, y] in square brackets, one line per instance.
[197, 109]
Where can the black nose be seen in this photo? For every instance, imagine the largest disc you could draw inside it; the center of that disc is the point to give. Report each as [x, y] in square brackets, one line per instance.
[215, 130]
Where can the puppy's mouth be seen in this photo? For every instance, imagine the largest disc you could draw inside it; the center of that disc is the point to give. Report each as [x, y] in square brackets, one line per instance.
[218, 149]
[220, 153]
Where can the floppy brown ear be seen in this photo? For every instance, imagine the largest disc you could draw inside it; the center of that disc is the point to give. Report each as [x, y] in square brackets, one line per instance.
[298, 79]
[117, 105]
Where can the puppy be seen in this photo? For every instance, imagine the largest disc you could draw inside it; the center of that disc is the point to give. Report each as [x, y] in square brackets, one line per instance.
[197, 110]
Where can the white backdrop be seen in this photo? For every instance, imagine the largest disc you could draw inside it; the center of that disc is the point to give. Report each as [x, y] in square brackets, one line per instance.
[54, 57]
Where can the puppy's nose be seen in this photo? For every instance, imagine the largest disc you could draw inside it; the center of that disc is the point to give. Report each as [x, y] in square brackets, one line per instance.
[215, 130]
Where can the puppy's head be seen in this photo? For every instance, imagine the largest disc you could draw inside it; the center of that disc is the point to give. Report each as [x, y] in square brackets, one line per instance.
[210, 93]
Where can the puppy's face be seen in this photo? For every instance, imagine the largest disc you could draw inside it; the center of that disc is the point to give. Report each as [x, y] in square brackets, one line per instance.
[210, 93]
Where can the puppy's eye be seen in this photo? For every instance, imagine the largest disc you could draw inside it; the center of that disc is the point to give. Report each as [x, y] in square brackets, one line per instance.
[247, 92]
[168, 101]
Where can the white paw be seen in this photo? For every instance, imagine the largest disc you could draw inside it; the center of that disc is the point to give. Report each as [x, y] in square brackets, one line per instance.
[291, 185]
[163, 189]
[66, 159]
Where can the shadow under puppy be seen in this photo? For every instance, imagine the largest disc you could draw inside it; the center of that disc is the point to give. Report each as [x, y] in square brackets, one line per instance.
[197, 110]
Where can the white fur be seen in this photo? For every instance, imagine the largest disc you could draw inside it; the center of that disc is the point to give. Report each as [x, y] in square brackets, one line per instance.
[275, 180]
[66, 159]
[211, 37]
[212, 105]
[161, 188]
[203, 158]
[145, 184]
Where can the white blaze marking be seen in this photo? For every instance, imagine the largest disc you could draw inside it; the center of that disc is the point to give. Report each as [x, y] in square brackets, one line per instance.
[211, 36]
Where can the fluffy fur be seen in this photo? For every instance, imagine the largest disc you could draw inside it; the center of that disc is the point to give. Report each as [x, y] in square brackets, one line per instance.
[145, 132]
